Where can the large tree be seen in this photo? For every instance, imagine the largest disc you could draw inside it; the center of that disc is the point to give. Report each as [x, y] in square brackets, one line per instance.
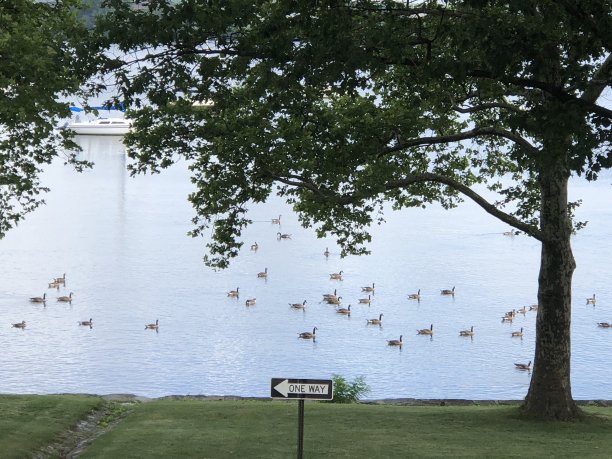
[343, 106]
[39, 70]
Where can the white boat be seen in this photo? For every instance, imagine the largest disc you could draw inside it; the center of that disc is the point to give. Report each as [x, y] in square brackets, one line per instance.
[101, 126]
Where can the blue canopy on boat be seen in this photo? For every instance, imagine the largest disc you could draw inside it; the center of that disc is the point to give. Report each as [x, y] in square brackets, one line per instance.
[120, 108]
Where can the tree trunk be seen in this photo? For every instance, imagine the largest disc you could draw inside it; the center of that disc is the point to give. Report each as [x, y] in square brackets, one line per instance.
[550, 393]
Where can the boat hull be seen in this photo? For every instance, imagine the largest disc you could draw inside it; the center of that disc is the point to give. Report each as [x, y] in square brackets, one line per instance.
[101, 127]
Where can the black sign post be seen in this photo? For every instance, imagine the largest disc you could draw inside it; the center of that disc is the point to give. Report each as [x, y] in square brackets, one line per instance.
[301, 389]
[300, 446]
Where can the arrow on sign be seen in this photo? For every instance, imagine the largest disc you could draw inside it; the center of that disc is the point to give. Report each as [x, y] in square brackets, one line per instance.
[283, 387]
[303, 388]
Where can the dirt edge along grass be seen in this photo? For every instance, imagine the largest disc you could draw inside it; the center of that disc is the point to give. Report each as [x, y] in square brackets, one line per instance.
[104, 417]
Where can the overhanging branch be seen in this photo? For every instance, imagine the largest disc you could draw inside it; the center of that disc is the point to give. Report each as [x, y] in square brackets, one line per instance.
[469, 193]
[487, 106]
[412, 179]
[599, 82]
[459, 136]
[586, 101]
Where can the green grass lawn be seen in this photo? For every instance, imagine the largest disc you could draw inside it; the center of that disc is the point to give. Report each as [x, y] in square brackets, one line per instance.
[253, 429]
[268, 429]
[30, 423]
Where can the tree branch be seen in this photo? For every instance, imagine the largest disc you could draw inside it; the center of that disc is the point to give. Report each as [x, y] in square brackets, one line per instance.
[599, 82]
[406, 11]
[468, 192]
[466, 135]
[487, 106]
[588, 103]
[296, 181]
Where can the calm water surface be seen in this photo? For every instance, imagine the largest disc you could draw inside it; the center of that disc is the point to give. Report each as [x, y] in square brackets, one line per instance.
[122, 243]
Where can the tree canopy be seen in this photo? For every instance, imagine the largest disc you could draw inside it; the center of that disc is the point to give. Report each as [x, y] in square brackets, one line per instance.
[38, 71]
[343, 106]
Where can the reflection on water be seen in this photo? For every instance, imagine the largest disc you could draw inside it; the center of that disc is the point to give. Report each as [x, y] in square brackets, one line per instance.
[122, 243]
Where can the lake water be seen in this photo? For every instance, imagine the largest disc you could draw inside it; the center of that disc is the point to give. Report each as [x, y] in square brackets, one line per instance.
[122, 243]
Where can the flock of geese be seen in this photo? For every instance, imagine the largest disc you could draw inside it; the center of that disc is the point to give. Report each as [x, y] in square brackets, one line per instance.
[335, 299]
[56, 283]
[508, 317]
[330, 298]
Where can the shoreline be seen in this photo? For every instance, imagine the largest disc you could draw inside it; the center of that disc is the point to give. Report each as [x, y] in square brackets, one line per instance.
[126, 398]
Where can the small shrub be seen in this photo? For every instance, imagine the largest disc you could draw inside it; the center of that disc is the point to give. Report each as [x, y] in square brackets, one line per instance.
[348, 392]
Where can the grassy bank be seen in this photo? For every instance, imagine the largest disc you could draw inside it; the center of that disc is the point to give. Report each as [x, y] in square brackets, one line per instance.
[225, 429]
[258, 429]
[31, 424]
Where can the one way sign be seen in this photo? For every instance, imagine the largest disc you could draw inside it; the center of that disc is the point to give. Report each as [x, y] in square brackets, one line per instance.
[314, 389]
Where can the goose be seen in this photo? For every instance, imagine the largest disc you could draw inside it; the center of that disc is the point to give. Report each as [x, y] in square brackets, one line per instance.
[518, 333]
[395, 342]
[533, 307]
[523, 366]
[336, 276]
[65, 299]
[336, 300]
[604, 324]
[376, 321]
[298, 305]
[367, 300]
[330, 295]
[87, 323]
[346, 311]
[250, 301]
[254, 246]
[234, 293]
[448, 292]
[415, 296]
[509, 316]
[426, 331]
[276, 221]
[21, 324]
[60, 280]
[326, 253]
[154, 326]
[264, 273]
[39, 299]
[368, 289]
[308, 335]
[522, 310]
[54, 285]
[591, 300]
[469, 332]
[283, 235]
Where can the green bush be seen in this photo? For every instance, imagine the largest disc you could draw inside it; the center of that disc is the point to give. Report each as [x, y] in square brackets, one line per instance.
[348, 392]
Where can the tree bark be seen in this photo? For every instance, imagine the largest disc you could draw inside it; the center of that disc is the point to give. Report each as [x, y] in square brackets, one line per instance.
[550, 393]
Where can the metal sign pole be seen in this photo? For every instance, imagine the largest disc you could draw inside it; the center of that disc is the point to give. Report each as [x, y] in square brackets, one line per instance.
[300, 450]
[301, 389]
